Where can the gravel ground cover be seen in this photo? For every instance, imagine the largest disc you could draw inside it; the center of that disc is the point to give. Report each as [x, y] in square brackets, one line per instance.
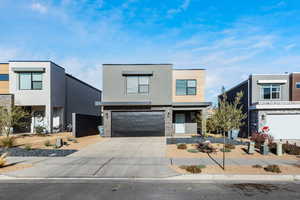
[196, 139]
[16, 151]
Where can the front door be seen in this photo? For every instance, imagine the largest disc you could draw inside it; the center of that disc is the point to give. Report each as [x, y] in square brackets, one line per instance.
[179, 123]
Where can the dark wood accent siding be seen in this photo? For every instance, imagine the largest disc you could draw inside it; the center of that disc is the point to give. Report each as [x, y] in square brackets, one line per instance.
[294, 92]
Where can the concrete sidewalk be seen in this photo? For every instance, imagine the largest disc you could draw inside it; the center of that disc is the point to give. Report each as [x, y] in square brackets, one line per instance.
[120, 167]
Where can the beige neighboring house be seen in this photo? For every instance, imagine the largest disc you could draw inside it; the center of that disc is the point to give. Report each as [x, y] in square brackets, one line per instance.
[47, 92]
[152, 100]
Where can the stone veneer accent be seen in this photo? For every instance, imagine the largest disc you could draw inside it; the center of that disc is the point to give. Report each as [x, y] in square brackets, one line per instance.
[6, 100]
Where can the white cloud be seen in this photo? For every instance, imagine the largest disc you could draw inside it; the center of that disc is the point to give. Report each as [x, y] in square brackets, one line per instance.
[184, 6]
[39, 8]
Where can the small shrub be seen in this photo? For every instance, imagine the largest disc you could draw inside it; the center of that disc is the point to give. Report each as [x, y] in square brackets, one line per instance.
[206, 147]
[229, 146]
[193, 150]
[226, 150]
[28, 147]
[194, 169]
[75, 141]
[257, 166]
[181, 146]
[69, 139]
[291, 149]
[7, 142]
[47, 143]
[260, 138]
[3, 159]
[40, 129]
[272, 168]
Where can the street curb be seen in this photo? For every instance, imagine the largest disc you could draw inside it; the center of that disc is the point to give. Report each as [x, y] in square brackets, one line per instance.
[187, 177]
[236, 177]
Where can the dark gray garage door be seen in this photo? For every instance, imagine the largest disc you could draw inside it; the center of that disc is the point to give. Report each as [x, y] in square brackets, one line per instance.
[134, 124]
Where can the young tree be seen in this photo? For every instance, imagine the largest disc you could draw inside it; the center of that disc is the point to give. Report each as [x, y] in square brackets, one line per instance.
[228, 116]
[10, 118]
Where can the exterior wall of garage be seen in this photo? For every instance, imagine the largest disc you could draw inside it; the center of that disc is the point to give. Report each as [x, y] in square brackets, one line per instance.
[258, 118]
[107, 116]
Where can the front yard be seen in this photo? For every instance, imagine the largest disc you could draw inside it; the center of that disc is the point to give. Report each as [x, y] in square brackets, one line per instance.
[195, 159]
[40, 145]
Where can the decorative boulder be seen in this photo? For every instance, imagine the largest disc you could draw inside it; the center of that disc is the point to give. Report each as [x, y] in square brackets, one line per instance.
[59, 143]
[251, 147]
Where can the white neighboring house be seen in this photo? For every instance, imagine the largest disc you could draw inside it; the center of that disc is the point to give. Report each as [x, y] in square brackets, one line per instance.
[51, 95]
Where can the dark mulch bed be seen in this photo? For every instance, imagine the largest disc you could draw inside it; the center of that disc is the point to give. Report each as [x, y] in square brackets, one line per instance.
[197, 139]
[16, 151]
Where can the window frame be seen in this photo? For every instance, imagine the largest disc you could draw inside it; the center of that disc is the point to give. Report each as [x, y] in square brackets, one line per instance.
[139, 85]
[270, 86]
[31, 80]
[297, 85]
[186, 87]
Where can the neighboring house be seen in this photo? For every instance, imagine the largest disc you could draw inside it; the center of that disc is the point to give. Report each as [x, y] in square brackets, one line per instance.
[152, 100]
[47, 92]
[271, 100]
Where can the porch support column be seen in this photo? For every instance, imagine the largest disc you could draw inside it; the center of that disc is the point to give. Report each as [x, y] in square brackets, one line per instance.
[203, 120]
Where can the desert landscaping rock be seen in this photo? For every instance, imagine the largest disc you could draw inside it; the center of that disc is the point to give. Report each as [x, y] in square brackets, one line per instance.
[37, 152]
[197, 139]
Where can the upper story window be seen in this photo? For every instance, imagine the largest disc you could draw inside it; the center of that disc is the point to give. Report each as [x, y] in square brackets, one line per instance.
[30, 81]
[270, 91]
[298, 85]
[4, 77]
[137, 84]
[186, 87]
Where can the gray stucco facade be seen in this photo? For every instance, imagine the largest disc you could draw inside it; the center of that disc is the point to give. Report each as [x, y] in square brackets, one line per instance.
[258, 108]
[114, 83]
[60, 96]
[159, 98]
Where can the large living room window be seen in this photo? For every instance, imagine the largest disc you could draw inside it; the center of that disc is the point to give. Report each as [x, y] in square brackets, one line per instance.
[137, 84]
[270, 92]
[30, 81]
[186, 87]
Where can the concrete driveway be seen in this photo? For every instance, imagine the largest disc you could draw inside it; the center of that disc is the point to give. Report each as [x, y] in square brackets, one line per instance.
[126, 147]
[142, 157]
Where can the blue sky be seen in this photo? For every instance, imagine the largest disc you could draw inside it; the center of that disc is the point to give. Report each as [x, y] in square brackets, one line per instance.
[230, 38]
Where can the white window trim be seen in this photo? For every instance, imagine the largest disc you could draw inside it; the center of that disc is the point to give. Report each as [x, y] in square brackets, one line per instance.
[262, 96]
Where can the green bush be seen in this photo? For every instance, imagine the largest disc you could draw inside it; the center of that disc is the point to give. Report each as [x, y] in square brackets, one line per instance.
[206, 147]
[181, 146]
[40, 129]
[28, 147]
[272, 168]
[47, 143]
[194, 169]
[7, 142]
[193, 150]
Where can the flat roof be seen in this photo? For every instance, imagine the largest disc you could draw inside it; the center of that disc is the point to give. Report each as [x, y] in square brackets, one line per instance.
[36, 61]
[188, 104]
[189, 69]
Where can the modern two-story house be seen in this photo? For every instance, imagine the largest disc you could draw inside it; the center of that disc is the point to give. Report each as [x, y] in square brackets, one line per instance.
[152, 100]
[47, 92]
[271, 100]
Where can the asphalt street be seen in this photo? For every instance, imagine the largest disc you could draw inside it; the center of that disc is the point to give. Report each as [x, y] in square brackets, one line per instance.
[146, 190]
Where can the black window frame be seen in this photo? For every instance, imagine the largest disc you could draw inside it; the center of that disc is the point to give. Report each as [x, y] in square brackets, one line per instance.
[32, 81]
[138, 85]
[187, 87]
[4, 77]
[297, 85]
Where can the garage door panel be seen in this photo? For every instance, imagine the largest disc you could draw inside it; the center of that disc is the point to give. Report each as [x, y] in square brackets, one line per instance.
[133, 124]
[284, 126]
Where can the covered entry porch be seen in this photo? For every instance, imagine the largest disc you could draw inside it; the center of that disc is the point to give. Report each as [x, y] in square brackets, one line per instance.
[189, 118]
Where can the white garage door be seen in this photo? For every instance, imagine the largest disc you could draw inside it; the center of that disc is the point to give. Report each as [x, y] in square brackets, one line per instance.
[284, 126]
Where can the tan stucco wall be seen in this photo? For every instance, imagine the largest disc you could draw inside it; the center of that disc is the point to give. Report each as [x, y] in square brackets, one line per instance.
[198, 75]
[4, 85]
